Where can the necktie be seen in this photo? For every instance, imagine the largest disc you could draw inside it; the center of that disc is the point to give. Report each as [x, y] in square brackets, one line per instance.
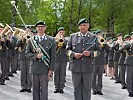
[41, 38]
[83, 37]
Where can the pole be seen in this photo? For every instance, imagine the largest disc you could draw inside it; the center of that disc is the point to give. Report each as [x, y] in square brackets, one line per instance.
[13, 4]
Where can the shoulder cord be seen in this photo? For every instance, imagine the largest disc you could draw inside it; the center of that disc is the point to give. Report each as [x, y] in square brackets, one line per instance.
[35, 46]
[91, 44]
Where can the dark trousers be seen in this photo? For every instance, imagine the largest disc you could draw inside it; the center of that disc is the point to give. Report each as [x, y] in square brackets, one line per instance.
[8, 66]
[97, 78]
[122, 74]
[59, 75]
[82, 85]
[129, 78]
[40, 87]
[117, 72]
[25, 75]
[3, 69]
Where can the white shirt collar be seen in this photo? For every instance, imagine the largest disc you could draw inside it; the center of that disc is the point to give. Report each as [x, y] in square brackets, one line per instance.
[83, 35]
[41, 36]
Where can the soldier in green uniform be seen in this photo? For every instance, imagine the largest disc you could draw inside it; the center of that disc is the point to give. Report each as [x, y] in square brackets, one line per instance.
[61, 61]
[129, 65]
[99, 65]
[41, 50]
[82, 48]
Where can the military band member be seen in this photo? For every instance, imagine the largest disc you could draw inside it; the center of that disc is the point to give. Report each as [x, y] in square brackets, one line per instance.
[2, 56]
[116, 57]
[11, 43]
[106, 58]
[129, 65]
[61, 61]
[24, 62]
[41, 50]
[99, 65]
[110, 58]
[121, 62]
[82, 48]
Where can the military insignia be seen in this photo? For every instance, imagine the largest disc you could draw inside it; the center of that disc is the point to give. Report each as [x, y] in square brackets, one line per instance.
[88, 35]
[46, 38]
[74, 46]
[78, 34]
[36, 38]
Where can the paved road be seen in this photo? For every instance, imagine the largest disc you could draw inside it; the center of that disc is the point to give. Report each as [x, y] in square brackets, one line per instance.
[111, 90]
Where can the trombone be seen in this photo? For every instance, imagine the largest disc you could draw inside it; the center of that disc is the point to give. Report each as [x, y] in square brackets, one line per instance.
[5, 30]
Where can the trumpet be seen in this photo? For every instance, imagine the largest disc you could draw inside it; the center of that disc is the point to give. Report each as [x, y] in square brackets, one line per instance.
[101, 41]
[60, 40]
[21, 33]
[6, 30]
[18, 31]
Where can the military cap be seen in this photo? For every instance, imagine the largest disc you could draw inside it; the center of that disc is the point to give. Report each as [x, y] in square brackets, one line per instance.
[83, 20]
[28, 27]
[131, 33]
[119, 34]
[98, 31]
[61, 29]
[40, 23]
[34, 31]
[126, 36]
[109, 38]
[1, 25]
[114, 39]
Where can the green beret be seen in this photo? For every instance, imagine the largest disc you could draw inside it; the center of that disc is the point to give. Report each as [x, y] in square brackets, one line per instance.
[40, 23]
[98, 31]
[83, 20]
[61, 29]
[131, 33]
[109, 38]
[126, 36]
[114, 39]
[34, 31]
[119, 34]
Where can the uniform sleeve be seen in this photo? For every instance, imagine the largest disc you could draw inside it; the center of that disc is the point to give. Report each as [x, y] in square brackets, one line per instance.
[96, 51]
[53, 54]
[69, 51]
[30, 53]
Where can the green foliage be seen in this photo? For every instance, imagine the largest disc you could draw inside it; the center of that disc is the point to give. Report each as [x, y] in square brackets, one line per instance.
[67, 13]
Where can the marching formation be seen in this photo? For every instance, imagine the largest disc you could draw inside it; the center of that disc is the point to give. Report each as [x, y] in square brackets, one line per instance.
[41, 57]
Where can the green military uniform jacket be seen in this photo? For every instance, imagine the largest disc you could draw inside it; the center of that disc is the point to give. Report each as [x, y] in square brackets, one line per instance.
[38, 66]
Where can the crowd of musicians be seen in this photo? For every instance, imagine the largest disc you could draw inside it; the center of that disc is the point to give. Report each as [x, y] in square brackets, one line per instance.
[41, 57]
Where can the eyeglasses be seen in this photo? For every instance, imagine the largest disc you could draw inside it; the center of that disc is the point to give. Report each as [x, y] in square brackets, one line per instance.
[40, 26]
